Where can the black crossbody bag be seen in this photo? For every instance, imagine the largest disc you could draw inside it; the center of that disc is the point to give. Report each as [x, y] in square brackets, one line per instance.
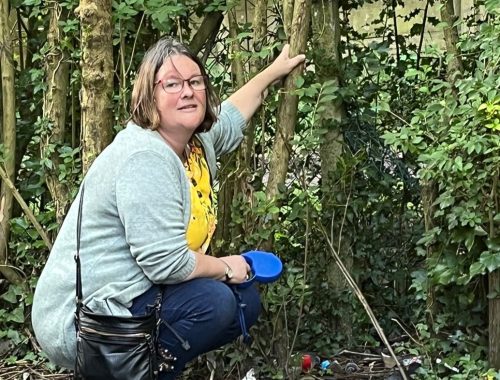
[115, 347]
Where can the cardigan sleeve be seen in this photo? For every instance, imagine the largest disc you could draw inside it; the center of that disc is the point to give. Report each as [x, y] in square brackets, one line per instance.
[227, 132]
[149, 197]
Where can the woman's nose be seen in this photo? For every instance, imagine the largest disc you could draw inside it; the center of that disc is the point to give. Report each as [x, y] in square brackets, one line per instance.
[186, 91]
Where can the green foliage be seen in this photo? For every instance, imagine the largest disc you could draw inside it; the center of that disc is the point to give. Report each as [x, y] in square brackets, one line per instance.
[452, 136]
[456, 146]
[435, 133]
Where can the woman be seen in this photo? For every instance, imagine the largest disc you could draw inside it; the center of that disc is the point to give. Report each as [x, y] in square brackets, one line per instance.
[148, 215]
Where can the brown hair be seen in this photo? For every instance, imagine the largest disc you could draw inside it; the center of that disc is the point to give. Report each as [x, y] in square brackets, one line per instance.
[143, 106]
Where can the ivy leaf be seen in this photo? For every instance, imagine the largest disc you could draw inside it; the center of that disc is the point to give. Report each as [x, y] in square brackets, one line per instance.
[476, 268]
[9, 296]
[14, 336]
[17, 315]
[469, 241]
[30, 356]
[479, 231]
[490, 260]
[493, 244]
[384, 106]
[446, 277]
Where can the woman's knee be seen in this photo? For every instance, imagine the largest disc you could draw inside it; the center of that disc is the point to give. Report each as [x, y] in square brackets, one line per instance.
[224, 302]
[200, 300]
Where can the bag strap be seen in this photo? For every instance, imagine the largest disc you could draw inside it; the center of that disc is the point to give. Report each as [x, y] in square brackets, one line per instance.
[77, 254]
[79, 296]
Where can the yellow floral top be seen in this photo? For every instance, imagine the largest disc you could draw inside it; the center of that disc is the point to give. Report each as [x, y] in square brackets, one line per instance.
[202, 222]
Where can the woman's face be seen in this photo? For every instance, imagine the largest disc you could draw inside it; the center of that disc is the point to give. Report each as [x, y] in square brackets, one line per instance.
[183, 111]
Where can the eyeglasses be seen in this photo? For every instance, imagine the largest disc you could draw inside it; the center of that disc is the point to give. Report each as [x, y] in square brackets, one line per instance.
[175, 85]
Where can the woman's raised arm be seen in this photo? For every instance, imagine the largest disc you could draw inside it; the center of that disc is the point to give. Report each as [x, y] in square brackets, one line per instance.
[249, 97]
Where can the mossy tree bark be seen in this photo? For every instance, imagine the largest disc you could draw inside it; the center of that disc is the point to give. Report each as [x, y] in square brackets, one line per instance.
[287, 109]
[97, 77]
[8, 139]
[54, 111]
[288, 16]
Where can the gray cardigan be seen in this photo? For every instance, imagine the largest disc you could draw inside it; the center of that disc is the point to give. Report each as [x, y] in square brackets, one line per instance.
[136, 210]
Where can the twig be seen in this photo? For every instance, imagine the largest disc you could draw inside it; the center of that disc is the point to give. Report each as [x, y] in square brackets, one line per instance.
[135, 44]
[395, 21]
[399, 117]
[25, 207]
[32, 340]
[407, 333]
[358, 353]
[363, 301]
[419, 50]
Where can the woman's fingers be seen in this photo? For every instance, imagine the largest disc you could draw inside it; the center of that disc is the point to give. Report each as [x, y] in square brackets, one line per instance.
[284, 64]
[239, 266]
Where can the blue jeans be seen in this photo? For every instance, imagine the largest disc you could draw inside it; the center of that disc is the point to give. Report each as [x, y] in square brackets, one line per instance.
[202, 313]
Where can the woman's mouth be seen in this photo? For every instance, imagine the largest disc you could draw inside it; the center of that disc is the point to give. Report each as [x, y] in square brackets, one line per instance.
[187, 107]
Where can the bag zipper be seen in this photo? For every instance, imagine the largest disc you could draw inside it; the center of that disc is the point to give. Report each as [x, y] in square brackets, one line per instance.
[126, 335]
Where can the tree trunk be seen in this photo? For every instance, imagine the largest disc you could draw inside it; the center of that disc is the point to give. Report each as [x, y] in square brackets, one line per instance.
[458, 12]
[428, 196]
[288, 17]
[28, 116]
[259, 25]
[8, 140]
[455, 66]
[287, 109]
[428, 192]
[224, 234]
[326, 39]
[494, 286]
[285, 127]
[210, 25]
[244, 191]
[121, 110]
[494, 320]
[54, 111]
[97, 77]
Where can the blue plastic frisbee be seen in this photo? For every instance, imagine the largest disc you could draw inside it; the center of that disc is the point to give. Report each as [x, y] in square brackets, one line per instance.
[266, 267]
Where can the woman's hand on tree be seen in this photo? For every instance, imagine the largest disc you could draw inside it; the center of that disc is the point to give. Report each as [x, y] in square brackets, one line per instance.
[283, 64]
